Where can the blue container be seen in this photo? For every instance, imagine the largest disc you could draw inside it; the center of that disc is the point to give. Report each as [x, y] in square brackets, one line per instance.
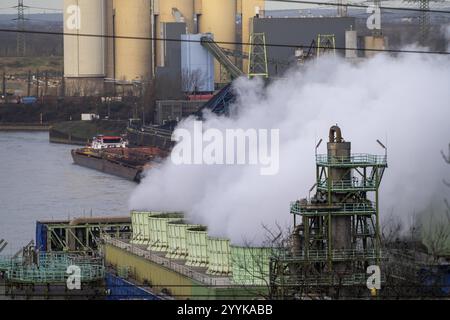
[121, 289]
[29, 100]
[41, 236]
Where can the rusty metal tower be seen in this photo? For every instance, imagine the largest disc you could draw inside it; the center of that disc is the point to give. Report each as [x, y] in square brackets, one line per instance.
[336, 231]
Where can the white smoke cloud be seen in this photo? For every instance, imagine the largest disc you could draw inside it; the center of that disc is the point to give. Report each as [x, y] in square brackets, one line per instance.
[402, 101]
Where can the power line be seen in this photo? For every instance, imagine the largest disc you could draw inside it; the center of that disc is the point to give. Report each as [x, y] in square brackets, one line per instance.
[361, 6]
[50, 9]
[307, 46]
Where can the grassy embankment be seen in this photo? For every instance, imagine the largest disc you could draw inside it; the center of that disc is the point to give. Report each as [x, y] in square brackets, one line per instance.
[79, 132]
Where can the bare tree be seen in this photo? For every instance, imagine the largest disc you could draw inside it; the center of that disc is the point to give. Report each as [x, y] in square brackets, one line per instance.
[192, 81]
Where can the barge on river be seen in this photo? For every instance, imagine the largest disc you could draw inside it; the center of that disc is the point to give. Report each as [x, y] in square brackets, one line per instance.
[112, 155]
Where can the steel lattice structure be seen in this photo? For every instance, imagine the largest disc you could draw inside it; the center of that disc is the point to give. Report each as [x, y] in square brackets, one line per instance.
[338, 235]
[258, 56]
[20, 28]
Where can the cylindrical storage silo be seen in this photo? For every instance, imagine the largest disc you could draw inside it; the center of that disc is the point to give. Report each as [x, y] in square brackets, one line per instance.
[158, 230]
[219, 18]
[84, 46]
[132, 56]
[219, 257]
[176, 11]
[176, 236]
[250, 265]
[197, 247]
[166, 11]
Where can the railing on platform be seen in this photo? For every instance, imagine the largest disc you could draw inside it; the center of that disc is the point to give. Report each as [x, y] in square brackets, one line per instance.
[325, 280]
[338, 208]
[353, 160]
[334, 255]
[347, 185]
[168, 263]
[50, 268]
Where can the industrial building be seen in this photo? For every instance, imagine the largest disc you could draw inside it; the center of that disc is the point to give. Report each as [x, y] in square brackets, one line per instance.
[118, 40]
[186, 46]
[336, 236]
[179, 258]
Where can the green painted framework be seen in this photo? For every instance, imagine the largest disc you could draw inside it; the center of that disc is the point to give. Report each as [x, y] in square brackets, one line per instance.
[326, 43]
[258, 56]
[50, 268]
[64, 237]
[317, 219]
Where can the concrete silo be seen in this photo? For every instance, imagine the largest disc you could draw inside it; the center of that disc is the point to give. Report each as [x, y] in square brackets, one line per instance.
[169, 11]
[84, 56]
[219, 18]
[132, 18]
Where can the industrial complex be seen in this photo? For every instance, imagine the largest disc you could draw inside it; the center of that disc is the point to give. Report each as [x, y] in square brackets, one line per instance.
[167, 60]
[190, 46]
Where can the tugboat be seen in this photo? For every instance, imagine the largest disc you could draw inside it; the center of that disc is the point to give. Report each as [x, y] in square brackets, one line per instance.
[111, 154]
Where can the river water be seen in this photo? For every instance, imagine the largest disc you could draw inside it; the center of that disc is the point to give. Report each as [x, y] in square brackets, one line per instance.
[38, 181]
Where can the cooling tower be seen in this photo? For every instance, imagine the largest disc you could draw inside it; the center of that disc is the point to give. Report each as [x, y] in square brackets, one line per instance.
[176, 236]
[158, 230]
[197, 247]
[219, 18]
[219, 256]
[132, 56]
[140, 226]
[250, 265]
[84, 55]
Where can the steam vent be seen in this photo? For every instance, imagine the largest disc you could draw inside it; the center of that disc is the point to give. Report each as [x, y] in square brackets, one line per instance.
[336, 231]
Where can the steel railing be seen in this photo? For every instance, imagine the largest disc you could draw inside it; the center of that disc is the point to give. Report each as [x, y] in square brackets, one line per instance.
[338, 208]
[334, 255]
[352, 160]
[168, 263]
[344, 185]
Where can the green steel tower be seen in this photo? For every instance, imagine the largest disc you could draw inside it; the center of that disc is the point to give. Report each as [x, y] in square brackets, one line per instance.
[337, 230]
[258, 56]
[326, 43]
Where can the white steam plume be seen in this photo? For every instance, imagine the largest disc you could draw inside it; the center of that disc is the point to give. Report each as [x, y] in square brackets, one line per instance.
[402, 101]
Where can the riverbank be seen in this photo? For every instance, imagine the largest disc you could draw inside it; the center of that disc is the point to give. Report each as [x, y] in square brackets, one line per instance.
[24, 127]
[80, 132]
